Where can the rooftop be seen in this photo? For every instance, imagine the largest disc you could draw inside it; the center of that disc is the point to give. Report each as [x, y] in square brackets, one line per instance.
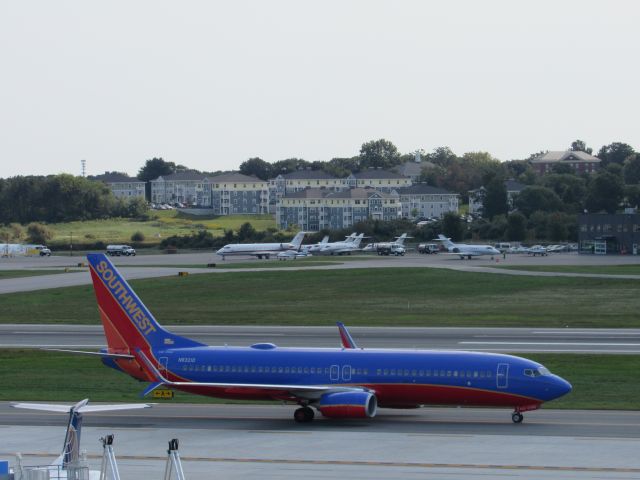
[375, 174]
[423, 189]
[234, 177]
[308, 175]
[181, 176]
[566, 156]
[115, 177]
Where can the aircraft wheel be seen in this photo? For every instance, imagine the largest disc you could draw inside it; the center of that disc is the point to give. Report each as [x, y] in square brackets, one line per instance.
[517, 417]
[303, 415]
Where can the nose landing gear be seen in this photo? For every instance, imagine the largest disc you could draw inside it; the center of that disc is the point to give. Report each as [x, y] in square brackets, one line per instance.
[517, 417]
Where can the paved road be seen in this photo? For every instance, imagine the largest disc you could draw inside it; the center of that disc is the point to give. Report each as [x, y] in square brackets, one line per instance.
[148, 266]
[622, 341]
[238, 441]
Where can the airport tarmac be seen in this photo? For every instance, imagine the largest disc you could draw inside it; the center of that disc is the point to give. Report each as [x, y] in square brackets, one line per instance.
[238, 441]
[160, 265]
[514, 340]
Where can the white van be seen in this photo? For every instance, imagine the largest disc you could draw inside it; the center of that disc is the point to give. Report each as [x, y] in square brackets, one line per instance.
[503, 246]
[117, 250]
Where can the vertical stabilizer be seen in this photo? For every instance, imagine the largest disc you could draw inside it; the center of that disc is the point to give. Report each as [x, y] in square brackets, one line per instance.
[400, 240]
[297, 240]
[345, 336]
[446, 242]
[127, 322]
[71, 446]
[357, 240]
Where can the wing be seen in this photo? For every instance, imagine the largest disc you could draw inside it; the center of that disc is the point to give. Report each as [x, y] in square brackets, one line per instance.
[299, 391]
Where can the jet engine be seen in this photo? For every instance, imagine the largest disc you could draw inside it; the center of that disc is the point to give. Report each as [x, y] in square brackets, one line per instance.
[348, 405]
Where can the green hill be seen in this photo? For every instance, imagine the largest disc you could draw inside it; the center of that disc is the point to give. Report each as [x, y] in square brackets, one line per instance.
[162, 224]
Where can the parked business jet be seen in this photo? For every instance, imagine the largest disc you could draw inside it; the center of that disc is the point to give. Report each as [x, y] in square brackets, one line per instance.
[260, 249]
[351, 244]
[67, 464]
[385, 248]
[346, 382]
[464, 250]
[315, 249]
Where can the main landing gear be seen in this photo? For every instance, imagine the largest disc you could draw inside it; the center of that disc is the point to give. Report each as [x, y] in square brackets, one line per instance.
[517, 417]
[303, 415]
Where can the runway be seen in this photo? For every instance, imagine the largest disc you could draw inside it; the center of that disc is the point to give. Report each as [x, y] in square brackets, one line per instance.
[159, 265]
[515, 340]
[236, 441]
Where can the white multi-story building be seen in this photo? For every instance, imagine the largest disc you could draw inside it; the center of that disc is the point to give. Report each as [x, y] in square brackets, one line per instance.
[226, 194]
[235, 193]
[122, 185]
[184, 187]
[382, 180]
[301, 180]
[423, 200]
[313, 209]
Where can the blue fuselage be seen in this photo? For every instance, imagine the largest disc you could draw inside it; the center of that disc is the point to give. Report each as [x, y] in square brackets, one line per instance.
[401, 378]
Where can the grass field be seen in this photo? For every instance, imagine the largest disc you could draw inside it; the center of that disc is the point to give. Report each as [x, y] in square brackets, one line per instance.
[384, 297]
[26, 273]
[164, 223]
[599, 381]
[599, 269]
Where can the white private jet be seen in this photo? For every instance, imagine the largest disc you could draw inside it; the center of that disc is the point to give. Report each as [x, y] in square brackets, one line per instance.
[538, 250]
[396, 246]
[351, 244]
[69, 465]
[464, 250]
[261, 249]
[315, 249]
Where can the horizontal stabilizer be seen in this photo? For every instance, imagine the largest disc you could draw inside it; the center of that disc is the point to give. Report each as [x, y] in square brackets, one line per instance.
[50, 407]
[99, 354]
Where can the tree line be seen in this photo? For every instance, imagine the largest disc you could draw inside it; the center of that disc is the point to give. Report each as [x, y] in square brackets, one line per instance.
[547, 208]
[61, 198]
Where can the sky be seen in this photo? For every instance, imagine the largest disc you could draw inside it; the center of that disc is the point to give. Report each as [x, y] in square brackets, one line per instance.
[209, 84]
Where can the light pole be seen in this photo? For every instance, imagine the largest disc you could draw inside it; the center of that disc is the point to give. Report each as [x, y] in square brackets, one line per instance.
[71, 244]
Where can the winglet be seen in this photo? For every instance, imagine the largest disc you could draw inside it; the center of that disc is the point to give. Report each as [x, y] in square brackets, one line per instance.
[345, 336]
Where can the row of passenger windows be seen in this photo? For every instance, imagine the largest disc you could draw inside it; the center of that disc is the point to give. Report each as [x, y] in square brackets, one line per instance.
[354, 371]
[262, 369]
[435, 373]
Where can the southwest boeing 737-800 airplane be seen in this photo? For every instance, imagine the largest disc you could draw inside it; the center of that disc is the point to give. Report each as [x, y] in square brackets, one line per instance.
[347, 382]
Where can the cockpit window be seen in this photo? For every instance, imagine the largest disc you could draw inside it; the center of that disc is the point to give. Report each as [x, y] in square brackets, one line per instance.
[536, 372]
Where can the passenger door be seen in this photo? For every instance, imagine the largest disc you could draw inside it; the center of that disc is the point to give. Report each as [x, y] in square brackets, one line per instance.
[502, 375]
[334, 373]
